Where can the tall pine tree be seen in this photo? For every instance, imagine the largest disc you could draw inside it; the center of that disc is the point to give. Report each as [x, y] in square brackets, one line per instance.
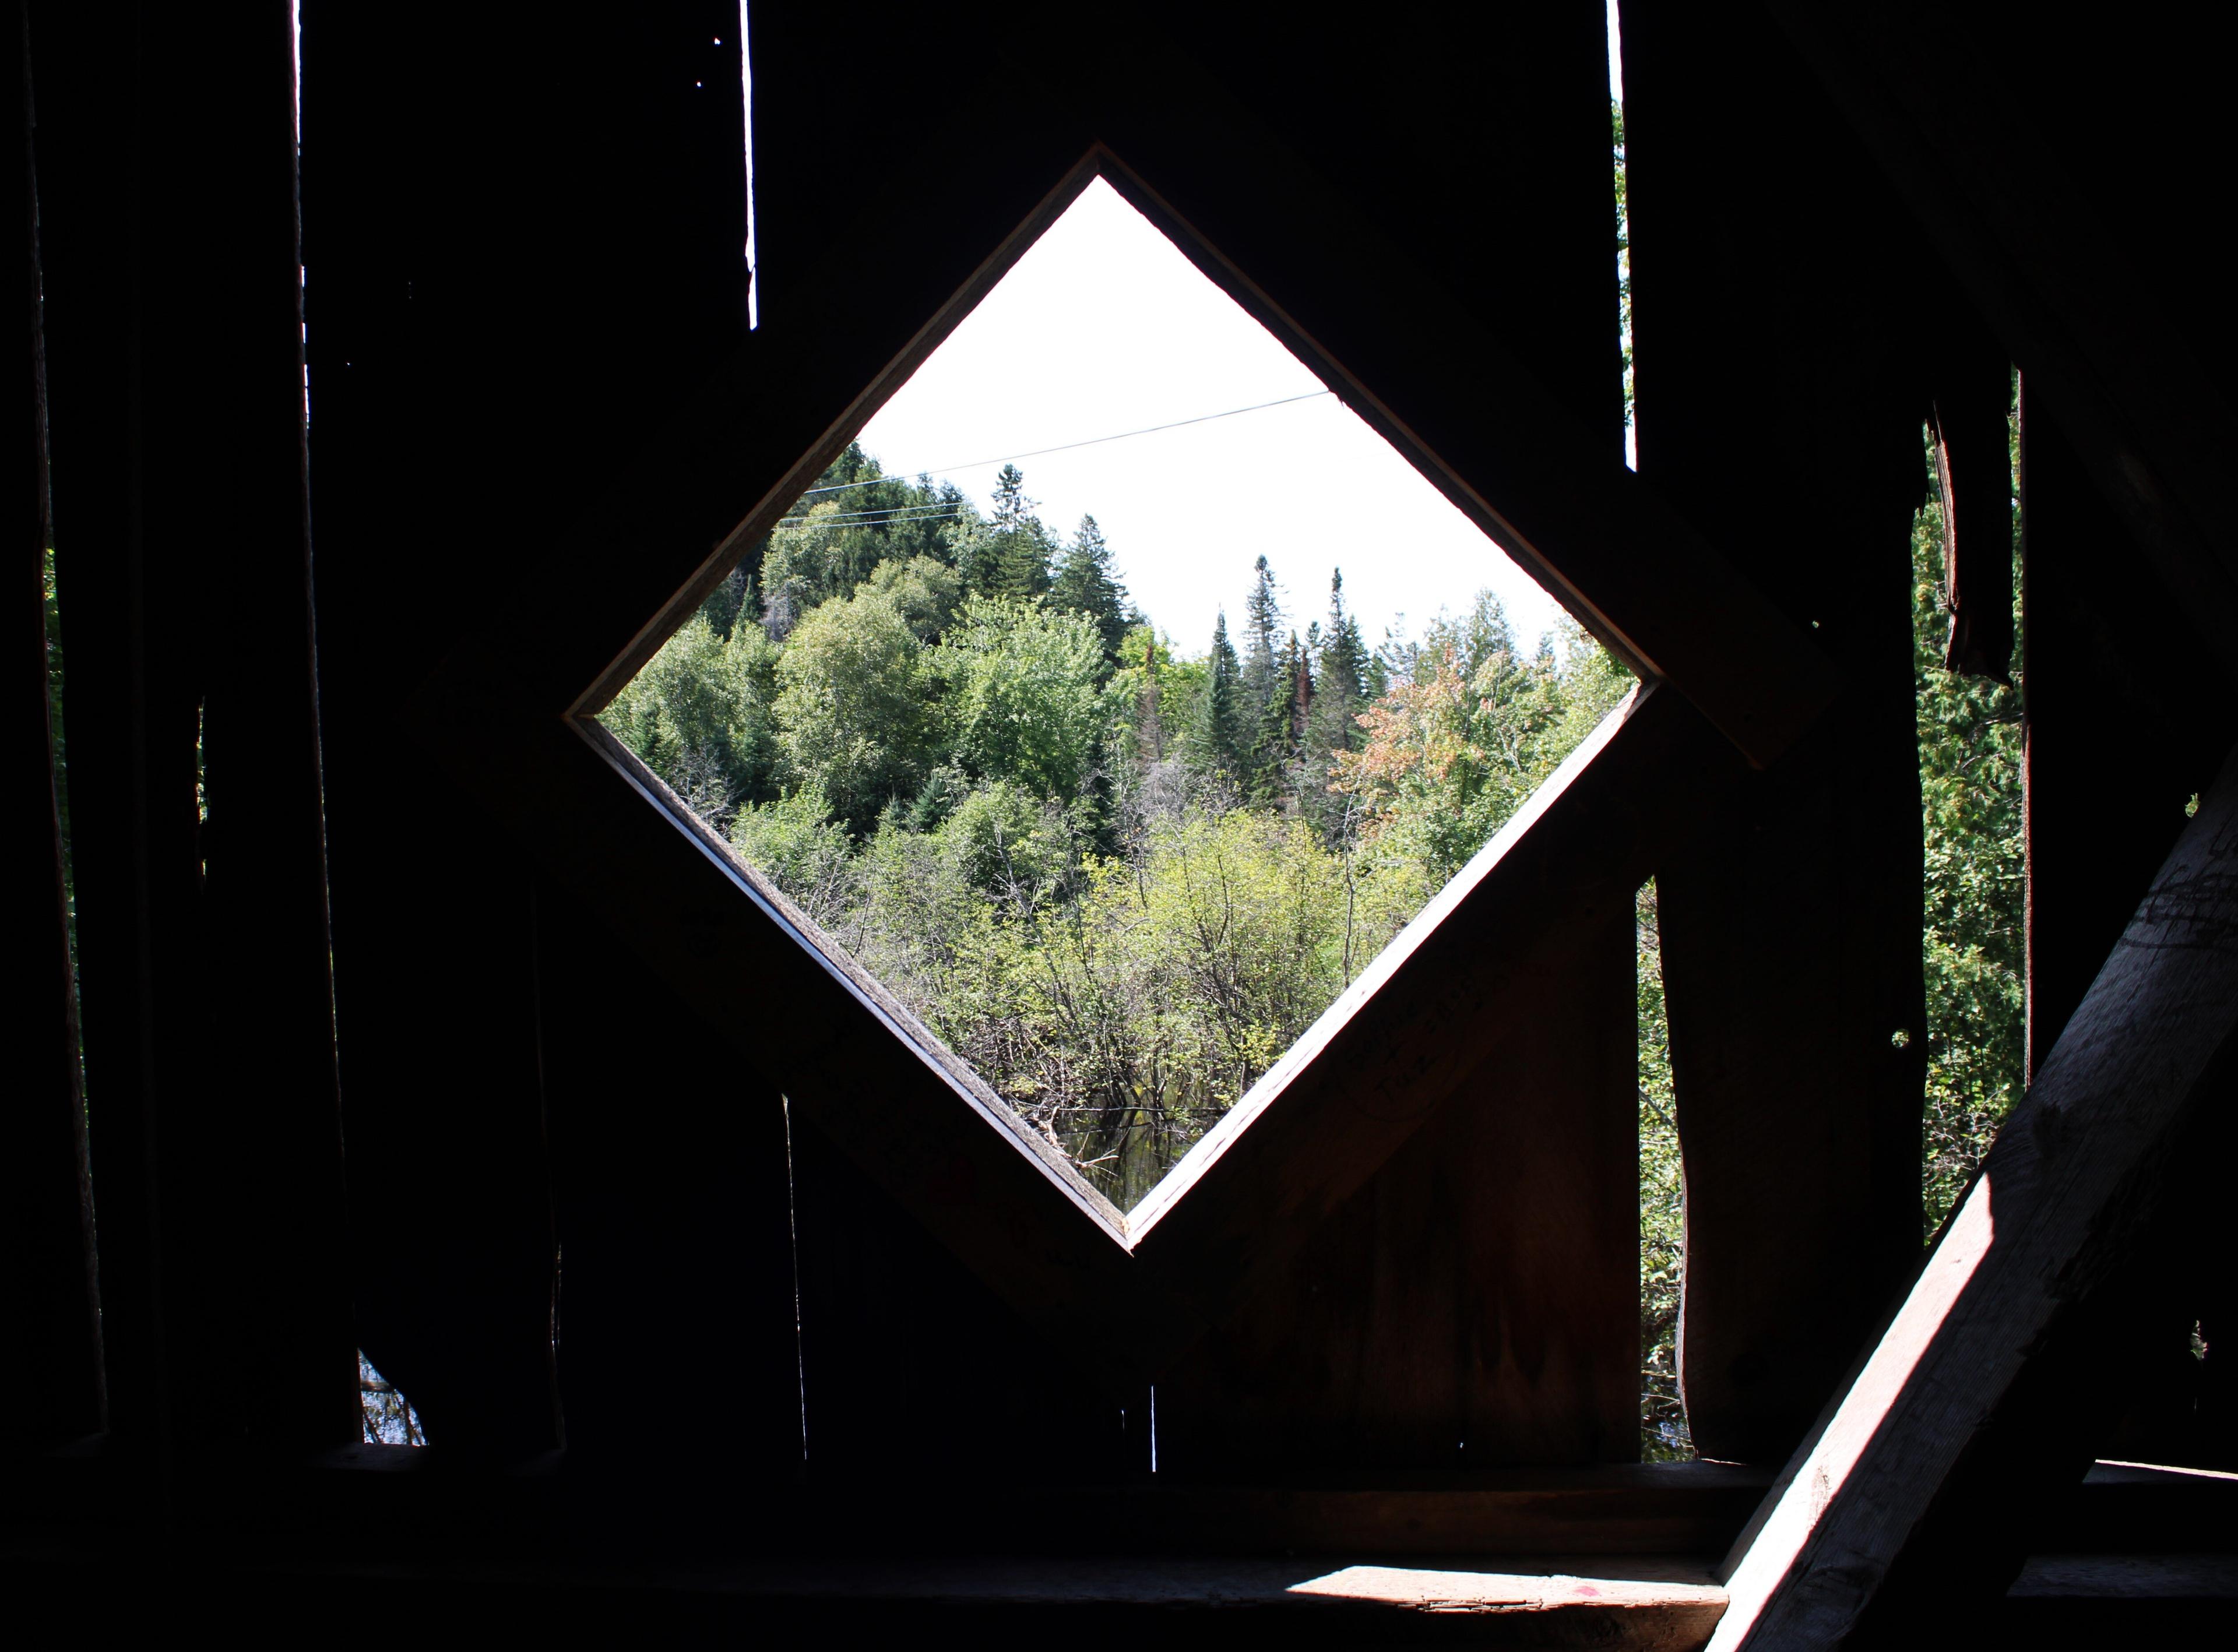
[1262, 625]
[1220, 723]
[1340, 693]
[1274, 774]
[1011, 555]
[1085, 583]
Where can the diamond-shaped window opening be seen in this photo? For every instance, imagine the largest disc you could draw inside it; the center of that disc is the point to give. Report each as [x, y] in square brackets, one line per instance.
[1044, 702]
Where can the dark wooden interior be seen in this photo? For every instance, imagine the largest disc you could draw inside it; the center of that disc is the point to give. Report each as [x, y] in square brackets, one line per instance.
[789, 1326]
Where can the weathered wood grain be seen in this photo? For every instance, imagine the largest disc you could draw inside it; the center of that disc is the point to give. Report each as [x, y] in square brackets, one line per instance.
[2062, 1199]
[1476, 1302]
[1418, 1026]
[1790, 929]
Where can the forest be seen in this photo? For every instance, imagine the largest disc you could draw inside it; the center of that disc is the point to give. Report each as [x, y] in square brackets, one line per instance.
[1118, 875]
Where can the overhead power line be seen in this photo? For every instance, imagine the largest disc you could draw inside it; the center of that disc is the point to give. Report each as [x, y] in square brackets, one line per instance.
[1066, 447]
[872, 519]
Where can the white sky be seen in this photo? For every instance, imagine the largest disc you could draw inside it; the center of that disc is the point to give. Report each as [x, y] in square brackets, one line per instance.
[1103, 327]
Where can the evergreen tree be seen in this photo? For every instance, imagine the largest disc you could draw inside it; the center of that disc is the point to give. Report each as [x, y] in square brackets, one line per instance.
[1085, 584]
[1010, 556]
[1011, 505]
[1221, 721]
[1340, 693]
[729, 601]
[1274, 749]
[1263, 624]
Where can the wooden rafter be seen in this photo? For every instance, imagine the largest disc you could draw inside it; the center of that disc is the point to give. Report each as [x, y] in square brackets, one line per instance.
[2059, 1206]
[2036, 255]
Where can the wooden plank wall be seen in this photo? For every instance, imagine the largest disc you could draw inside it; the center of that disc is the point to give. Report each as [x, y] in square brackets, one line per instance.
[175, 420]
[2112, 662]
[123, 903]
[1476, 1304]
[675, 1299]
[50, 1324]
[389, 329]
[908, 1358]
[1782, 412]
[490, 342]
[518, 246]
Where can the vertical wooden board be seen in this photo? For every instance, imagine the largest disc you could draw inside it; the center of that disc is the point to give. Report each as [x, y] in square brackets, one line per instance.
[1791, 938]
[50, 1329]
[1907, 1510]
[128, 719]
[1801, 1167]
[449, 1192]
[2113, 663]
[548, 220]
[676, 1310]
[443, 1102]
[1973, 398]
[909, 1363]
[724, 418]
[255, 1147]
[448, 1204]
[1415, 140]
[1477, 1303]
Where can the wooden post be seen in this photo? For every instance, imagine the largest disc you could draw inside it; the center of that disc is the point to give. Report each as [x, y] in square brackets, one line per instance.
[1907, 1488]
[1973, 466]
[2113, 663]
[50, 1324]
[1791, 936]
[676, 1313]
[911, 1362]
[129, 716]
[257, 1128]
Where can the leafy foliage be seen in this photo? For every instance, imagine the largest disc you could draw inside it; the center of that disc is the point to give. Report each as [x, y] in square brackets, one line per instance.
[1664, 1435]
[1025, 696]
[1119, 879]
[852, 707]
[1973, 937]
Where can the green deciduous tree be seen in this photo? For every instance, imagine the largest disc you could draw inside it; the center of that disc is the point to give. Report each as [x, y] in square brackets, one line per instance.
[854, 716]
[1974, 945]
[1024, 694]
[701, 715]
[808, 854]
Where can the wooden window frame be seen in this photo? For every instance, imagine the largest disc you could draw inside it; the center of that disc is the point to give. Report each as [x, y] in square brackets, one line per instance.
[1727, 683]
